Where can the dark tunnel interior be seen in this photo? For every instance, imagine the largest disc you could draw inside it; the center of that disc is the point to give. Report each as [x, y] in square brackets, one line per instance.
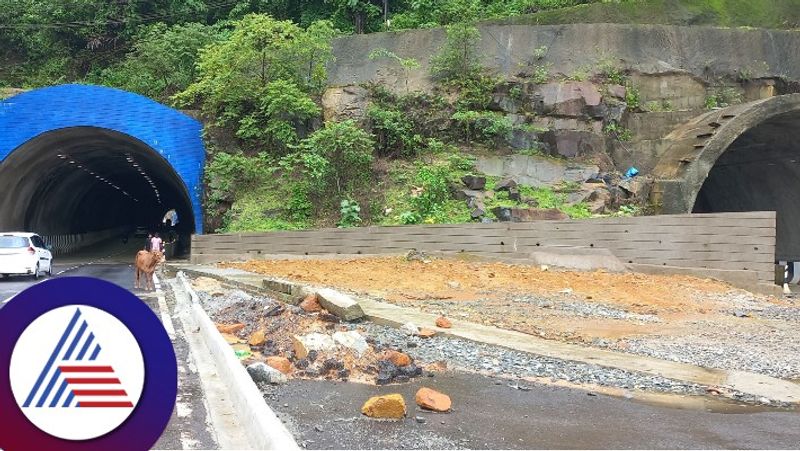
[760, 171]
[84, 179]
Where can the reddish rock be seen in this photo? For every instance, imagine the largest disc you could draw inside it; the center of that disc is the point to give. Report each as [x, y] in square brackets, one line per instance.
[432, 400]
[397, 358]
[281, 364]
[229, 328]
[311, 304]
[426, 333]
[443, 322]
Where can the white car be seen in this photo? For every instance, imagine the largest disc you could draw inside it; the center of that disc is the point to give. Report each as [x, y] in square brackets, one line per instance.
[24, 254]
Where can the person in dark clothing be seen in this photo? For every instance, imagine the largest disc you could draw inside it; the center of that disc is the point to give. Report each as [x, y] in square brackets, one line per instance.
[147, 243]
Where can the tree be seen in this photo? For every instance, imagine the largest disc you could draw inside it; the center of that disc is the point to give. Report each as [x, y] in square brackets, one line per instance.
[337, 158]
[263, 59]
[162, 61]
[459, 58]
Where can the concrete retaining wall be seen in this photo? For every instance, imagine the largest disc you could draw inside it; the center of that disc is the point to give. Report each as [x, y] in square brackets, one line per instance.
[699, 51]
[737, 247]
[64, 244]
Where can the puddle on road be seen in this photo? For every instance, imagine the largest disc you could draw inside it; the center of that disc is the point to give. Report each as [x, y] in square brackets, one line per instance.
[705, 403]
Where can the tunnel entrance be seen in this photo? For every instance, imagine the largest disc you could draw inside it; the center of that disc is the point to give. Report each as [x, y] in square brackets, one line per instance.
[742, 158]
[79, 163]
[85, 179]
[760, 171]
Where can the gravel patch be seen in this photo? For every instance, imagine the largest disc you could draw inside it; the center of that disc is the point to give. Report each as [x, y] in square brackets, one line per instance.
[471, 356]
[587, 310]
[775, 354]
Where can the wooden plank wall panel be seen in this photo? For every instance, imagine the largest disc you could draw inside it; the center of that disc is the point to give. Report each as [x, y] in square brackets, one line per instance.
[728, 241]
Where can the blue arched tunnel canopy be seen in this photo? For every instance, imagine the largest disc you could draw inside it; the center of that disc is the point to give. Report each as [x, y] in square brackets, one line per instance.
[93, 140]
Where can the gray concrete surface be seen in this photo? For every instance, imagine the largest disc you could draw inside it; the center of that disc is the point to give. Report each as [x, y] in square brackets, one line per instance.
[493, 414]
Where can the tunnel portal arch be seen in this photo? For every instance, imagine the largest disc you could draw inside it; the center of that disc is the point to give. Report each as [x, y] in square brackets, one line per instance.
[744, 157]
[80, 158]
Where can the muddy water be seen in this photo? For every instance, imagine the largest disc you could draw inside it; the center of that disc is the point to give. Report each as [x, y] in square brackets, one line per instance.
[488, 413]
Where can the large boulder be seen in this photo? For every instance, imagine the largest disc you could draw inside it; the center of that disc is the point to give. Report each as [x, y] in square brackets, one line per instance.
[387, 406]
[340, 304]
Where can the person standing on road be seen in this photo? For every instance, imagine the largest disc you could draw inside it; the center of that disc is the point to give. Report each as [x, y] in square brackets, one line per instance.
[156, 243]
[148, 243]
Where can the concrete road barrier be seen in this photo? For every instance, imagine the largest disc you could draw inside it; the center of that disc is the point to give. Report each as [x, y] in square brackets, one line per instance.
[265, 430]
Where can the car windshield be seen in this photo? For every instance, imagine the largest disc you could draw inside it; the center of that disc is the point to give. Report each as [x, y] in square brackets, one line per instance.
[13, 242]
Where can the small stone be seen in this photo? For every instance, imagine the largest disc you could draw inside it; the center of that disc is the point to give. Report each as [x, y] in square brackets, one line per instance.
[383, 378]
[352, 340]
[229, 328]
[419, 419]
[430, 399]
[426, 333]
[410, 328]
[332, 364]
[301, 364]
[312, 355]
[386, 406]
[318, 429]
[310, 304]
[410, 370]
[443, 322]
[454, 285]
[258, 338]
[397, 358]
[302, 345]
[343, 374]
[274, 310]
[281, 364]
[741, 314]
[401, 379]
[261, 372]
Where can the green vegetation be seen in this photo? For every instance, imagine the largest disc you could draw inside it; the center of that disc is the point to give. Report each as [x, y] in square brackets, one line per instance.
[725, 13]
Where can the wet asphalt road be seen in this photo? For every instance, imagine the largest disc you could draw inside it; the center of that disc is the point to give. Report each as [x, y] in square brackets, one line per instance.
[189, 427]
[488, 414]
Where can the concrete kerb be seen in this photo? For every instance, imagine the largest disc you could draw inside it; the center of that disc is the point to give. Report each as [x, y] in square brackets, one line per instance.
[265, 430]
[394, 316]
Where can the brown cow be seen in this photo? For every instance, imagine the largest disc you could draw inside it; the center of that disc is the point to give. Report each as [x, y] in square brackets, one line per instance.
[146, 263]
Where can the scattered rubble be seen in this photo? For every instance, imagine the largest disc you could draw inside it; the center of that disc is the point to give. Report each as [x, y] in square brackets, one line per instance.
[352, 340]
[387, 406]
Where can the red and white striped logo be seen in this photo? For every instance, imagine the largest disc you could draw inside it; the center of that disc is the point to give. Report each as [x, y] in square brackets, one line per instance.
[77, 372]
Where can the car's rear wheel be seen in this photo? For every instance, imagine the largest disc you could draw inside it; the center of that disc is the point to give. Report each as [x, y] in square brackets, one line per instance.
[36, 272]
[50, 269]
